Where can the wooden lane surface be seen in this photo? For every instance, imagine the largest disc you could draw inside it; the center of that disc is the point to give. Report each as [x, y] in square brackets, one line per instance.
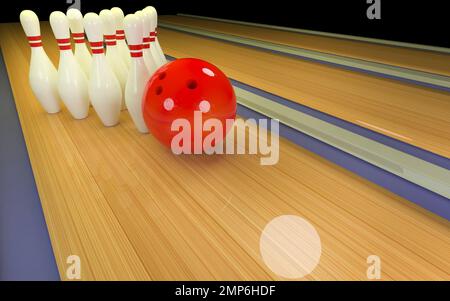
[408, 113]
[421, 60]
[132, 210]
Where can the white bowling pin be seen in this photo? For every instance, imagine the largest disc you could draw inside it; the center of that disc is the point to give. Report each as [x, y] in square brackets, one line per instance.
[120, 35]
[138, 74]
[150, 60]
[104, 87]
[82, 54]
[72, 82]
[112, 52]
[154, 34]
[43, 76]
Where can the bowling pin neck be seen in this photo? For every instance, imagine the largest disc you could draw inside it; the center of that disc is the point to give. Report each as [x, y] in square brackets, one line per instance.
[64, 45]
[120, 34]
[136, 51]
[37, 51]
[78, 37]
[97, 49]
[152, 36]
[110, 40]
[146, 42]
[35, 41]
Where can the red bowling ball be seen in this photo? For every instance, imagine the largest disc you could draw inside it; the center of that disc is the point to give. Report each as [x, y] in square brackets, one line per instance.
[185, 88]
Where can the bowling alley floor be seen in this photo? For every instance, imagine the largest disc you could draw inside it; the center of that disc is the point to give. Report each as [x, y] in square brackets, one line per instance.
[131, 210]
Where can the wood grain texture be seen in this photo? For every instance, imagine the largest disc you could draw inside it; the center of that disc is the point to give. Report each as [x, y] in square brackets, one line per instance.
[132, 210]
[421, 60]
[408, 113]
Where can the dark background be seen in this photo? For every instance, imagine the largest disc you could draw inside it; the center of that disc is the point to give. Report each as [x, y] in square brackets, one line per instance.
[423, 22]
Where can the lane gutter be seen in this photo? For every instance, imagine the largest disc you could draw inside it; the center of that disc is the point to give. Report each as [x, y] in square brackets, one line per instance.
[25, 248]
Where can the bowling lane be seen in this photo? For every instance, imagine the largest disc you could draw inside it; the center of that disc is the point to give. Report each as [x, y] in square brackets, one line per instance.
[132, 210]
[415, 115]
[427, 61]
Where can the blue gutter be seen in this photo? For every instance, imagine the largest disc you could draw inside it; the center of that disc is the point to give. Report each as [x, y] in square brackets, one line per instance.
[399, 186]
[25, 249]
[354, 128]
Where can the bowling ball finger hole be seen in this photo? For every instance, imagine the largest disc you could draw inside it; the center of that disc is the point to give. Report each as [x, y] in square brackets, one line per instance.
[158, 90]
[162, 76]
[192, 84]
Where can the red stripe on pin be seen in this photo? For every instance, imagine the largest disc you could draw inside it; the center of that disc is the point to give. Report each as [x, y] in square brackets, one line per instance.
[65, 47]
[34, 41]
[110, 36]
[63, 41]
[111, 43]
[34, 38]
[64, 44]
[136, 54]
[78, 35]
[96, 47]
[153, 33]
[135, 47]
[96, 44]
[146, 46]
[35, 44]
[97, 50]
[120, 31]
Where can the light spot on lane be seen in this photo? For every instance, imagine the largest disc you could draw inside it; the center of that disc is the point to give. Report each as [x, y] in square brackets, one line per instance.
[290, 246]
